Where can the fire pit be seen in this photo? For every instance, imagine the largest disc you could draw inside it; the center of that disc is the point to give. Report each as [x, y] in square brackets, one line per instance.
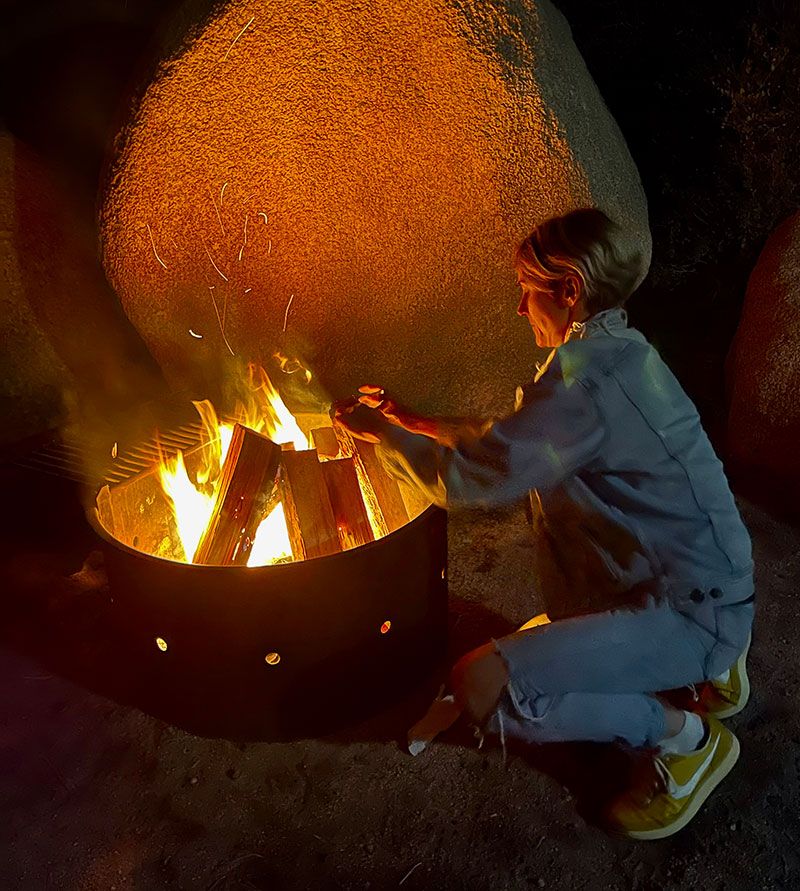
[349, 612]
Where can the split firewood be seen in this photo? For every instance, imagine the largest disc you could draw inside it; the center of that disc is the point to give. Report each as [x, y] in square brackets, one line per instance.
[325, 442]
[352, 521]
[246, 482]
[310, 519]
[386, 488]
[347, 448]
[139, 513]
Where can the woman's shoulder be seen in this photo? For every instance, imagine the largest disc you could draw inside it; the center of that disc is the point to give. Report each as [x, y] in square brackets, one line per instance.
[600, 350]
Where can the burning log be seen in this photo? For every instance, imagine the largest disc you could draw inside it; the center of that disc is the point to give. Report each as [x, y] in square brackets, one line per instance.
[386, 488]
[246, 482]
[348, 506]
[310, 517]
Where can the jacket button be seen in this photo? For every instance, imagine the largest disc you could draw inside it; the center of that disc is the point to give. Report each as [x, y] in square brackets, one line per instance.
[716, 593]
[697, 596]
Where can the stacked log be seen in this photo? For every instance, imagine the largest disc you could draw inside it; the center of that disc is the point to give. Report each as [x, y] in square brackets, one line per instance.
[335, 497]
[246, 482]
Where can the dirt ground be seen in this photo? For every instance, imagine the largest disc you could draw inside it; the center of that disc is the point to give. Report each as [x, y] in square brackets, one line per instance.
[100, 796]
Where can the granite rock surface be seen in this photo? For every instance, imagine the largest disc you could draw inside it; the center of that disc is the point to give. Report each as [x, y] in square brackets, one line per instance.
[764, 362]
[346, 182]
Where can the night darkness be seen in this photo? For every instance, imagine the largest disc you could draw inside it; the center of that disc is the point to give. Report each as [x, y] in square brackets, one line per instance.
[99, 795]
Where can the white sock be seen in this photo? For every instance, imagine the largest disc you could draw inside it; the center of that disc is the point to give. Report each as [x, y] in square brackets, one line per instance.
[687, 739]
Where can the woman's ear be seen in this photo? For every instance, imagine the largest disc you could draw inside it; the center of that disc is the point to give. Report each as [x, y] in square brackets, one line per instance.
[574, 289]
[569, 290]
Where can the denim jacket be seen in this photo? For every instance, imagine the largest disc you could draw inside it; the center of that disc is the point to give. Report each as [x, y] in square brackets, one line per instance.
[629, 499]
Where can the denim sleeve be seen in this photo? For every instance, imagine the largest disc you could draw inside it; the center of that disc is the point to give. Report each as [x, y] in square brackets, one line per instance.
[556, 433]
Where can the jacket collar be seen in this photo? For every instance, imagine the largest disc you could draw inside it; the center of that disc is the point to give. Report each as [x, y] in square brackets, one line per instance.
[606, 322]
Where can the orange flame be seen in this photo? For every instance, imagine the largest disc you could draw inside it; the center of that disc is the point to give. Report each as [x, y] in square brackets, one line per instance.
[193, 498]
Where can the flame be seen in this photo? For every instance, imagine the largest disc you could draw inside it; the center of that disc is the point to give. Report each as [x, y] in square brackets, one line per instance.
[193, 499]
[291, 366]
[266, 413]
[192, 507]
[272, 540]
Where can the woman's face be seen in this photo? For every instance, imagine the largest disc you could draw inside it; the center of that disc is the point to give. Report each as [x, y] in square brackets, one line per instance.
[549, 314]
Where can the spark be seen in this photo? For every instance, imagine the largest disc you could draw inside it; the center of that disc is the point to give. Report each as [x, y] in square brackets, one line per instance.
[238, 36]
[266, 218]
[247, 217]
[221, 325]
[247, 290]
[222, 193]
[286, 314]
[174, 242]
[198, 336]
[219, 217]
[114, 451]
[154, 246]
[222, 274]
[269, 246]
[249, 197]
[409, 873]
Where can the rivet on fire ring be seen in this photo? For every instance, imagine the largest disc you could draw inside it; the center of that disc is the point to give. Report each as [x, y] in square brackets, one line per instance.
[161, 644]
[272, 658]
[386, 626]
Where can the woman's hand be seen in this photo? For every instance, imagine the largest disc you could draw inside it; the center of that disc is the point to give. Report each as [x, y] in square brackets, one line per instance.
[352, 415]
[446, 431]
[356, 419]
[375, 397]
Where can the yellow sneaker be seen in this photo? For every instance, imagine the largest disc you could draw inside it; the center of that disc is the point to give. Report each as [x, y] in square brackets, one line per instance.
[678, 787]
[727, 694]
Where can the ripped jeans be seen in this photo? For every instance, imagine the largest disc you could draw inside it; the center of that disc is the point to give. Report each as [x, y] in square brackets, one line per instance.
[592, 677]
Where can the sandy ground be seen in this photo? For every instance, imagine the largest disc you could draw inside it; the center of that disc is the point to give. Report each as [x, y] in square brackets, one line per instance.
[99, 796]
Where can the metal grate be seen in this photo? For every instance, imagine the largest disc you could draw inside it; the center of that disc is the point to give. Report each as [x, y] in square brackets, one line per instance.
[64, 457]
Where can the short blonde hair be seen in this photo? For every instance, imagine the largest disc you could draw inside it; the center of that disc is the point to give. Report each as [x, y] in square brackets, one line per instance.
[580, 243]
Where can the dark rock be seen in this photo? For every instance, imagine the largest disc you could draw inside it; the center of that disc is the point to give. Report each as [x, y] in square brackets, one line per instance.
[764, 363]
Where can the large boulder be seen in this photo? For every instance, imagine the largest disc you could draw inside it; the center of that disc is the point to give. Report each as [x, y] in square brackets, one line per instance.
[348, 181]
[763, 367]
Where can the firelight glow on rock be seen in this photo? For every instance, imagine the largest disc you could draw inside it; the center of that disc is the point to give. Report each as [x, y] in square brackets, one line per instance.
[354, 176]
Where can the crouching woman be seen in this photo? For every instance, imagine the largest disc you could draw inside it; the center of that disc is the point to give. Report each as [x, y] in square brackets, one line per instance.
[634, 520]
